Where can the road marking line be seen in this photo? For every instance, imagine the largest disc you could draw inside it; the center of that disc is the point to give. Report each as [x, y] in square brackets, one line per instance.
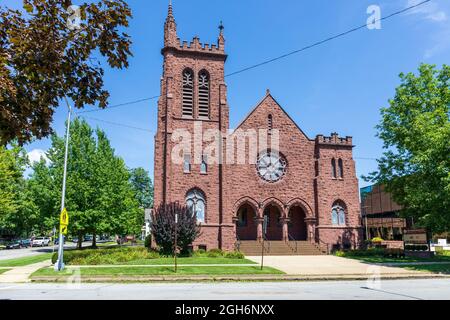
[6, 288]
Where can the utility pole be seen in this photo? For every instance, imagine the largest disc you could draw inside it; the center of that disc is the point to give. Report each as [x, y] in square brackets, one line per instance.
[175, 246]
[265, 222]
[59, 266]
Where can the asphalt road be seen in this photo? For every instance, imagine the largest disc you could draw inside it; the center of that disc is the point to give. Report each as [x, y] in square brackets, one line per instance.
[26, 252]
[332, 290]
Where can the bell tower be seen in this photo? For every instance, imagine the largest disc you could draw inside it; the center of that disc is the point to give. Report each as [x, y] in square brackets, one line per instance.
[193, 100]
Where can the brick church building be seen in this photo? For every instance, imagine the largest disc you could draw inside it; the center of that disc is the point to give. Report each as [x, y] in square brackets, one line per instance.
[305, 190]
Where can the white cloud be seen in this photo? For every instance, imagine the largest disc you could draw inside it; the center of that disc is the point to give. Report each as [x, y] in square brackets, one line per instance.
[36, 155]
[429, 11]
[436, 13]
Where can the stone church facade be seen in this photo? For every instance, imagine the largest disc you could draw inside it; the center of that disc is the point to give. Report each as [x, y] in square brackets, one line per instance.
[297, 189]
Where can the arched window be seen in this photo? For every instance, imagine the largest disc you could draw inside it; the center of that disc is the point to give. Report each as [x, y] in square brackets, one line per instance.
[333, 168]
[187, 163]
[338, 214]
[204, 165]
[195, 201]
[188, 93]
[242, 218]
[341, 168]
[270, 123]
[203, 94]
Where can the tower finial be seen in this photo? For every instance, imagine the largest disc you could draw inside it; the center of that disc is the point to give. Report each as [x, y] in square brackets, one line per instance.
[170, 9]
[170, 28]
[221, 41]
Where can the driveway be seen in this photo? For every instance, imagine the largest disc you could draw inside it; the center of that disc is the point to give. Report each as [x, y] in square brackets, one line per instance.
[20, 253]
[328, 265]
[329, 290]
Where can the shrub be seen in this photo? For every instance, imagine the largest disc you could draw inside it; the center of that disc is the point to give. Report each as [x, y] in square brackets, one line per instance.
[148, 241]
[163, 227]
[371, 252]
[234, 255]
[215, 253]
[106, 256]
[199, 253]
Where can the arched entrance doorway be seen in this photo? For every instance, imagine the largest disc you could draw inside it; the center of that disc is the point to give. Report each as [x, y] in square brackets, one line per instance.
[274, 223]
[246, 226]
[297, 226]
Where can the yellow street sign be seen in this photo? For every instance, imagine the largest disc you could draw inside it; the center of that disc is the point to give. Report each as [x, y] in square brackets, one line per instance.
[63, 229]
[64, 219]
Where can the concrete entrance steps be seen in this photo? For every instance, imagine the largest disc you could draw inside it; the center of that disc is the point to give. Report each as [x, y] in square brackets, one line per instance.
[280, 248]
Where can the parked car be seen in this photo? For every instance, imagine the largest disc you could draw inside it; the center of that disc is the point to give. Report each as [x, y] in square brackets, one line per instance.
[18, 244]
[75, 240]
[15, 244]
[41, 242]
[26, 243]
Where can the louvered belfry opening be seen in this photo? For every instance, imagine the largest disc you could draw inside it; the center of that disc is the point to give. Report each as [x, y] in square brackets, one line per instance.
[188, 93]
[203, 94]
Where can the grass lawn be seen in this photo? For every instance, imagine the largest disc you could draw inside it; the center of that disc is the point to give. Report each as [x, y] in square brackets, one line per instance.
[4, 270]
[434, 268]
[381, 259]
[149, 271]
[19, 262]
[189, 260]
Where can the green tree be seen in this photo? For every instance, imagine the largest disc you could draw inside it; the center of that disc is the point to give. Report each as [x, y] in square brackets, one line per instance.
[143, 192]
[44, 58]
[415, 129]
[18, 214]
[99, 196]
[142, 186]
[163, 227]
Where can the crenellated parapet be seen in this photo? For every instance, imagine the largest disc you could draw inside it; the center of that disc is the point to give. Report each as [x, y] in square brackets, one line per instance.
[172, 42]
[196, 46]
[334, 140]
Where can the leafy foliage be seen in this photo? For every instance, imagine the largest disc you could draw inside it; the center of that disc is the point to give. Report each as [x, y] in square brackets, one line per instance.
[99, 196]
[415, 129]
[143, 187]
[106, 256]
[14, 209]
[163, 227]
[42, 60]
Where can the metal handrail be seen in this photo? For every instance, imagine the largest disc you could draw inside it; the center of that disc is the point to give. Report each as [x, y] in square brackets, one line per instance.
[326, 244]
[264, 242]
[237, 244]
[288, 241]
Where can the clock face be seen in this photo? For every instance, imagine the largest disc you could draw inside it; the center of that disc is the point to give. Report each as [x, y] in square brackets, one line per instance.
[271, 166]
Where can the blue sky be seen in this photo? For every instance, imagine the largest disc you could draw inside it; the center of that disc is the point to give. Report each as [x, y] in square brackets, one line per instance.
[339, 86]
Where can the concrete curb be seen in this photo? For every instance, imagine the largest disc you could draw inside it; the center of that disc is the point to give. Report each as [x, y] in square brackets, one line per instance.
[155, 279]
[158, 265]
[22, 274]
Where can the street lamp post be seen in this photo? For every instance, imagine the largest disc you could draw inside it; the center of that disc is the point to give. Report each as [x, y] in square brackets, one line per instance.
[175, 245]
[60, 262]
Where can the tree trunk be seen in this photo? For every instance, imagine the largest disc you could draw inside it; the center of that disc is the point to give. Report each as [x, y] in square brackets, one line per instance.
[94, 240]
[80, 240]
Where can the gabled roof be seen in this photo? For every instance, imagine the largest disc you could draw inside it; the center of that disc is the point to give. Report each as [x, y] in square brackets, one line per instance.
[269, 96]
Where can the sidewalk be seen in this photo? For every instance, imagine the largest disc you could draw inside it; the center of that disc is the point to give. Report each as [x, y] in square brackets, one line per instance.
[22, 274]
[158, 265]
[333, 266]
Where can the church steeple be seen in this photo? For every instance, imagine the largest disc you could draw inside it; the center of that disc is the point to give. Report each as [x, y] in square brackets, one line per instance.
[221, 41]
[170, 29]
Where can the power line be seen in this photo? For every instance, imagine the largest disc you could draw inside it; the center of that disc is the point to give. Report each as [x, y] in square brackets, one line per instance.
[119, 105]
[370, 159]
[118, 124]
[325, 40]
[279, 57]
